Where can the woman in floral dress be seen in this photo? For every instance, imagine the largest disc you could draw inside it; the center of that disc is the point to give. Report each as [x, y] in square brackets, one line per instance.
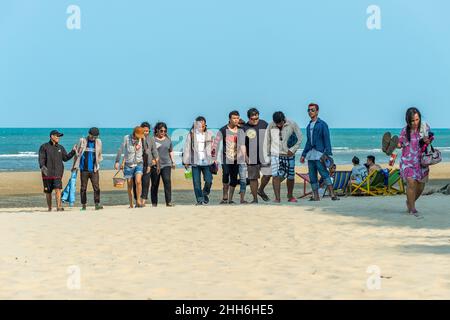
[411, 170]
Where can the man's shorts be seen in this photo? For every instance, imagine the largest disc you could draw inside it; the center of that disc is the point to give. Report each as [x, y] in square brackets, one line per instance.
[266, 170]
[253, 171]
[131, 172]
[283, 167]
[52, 184]
[230, 174]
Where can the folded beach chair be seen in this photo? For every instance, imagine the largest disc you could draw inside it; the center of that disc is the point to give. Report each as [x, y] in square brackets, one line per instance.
[373, 185]
[340, 183]
[395, 179]
[305, 178]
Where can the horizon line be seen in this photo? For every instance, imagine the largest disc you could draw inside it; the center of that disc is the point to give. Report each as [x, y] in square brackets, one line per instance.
[356, 128]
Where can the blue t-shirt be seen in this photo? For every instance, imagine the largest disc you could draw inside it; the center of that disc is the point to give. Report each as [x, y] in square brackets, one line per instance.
[87, 160]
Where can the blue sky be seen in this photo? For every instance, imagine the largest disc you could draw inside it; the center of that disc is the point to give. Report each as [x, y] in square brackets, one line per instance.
[173, 60]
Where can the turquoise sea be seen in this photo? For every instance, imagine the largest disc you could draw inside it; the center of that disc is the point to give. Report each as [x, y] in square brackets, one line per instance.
[19, 146]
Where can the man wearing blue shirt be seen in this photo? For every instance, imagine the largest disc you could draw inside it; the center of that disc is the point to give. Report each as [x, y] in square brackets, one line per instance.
[317, 149]
[88, 158]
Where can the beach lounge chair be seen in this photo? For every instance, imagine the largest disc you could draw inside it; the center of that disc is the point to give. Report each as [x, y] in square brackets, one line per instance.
[305, 178]
[373, 185]
[395, 179]
[340, 183]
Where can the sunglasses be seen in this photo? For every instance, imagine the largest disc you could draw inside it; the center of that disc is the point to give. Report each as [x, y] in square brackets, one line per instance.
[311, 110]
[162, 130]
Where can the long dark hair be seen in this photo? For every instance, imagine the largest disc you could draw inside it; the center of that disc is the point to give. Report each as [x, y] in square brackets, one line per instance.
[409, 117]
[200, 118]
[158, 126]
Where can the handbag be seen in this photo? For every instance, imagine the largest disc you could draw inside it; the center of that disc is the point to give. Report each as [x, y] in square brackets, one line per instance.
[119, 182]
[214, 168]
[430, 158]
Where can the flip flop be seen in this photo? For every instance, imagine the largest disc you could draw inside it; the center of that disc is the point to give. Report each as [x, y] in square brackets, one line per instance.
[392, 145]
[386, 141]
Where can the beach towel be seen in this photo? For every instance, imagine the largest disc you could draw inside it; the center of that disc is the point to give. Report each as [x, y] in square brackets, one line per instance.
[68, 195]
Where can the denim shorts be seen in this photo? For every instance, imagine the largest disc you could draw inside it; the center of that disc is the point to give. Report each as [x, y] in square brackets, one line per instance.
[131, 172]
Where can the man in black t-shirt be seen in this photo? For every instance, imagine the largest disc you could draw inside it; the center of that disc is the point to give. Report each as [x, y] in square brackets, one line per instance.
[255, 131]
[233, 157]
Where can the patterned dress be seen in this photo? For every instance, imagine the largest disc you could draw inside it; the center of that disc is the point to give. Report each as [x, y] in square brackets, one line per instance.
[410, 166]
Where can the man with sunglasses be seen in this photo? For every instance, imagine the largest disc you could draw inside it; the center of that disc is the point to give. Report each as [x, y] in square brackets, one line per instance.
[318, 146]
[255, 131]
[87, 159]
[281, 148]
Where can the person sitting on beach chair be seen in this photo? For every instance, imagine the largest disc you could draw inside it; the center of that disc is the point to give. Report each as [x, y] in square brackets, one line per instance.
[371, 165]
[322, 185]
[359, 172]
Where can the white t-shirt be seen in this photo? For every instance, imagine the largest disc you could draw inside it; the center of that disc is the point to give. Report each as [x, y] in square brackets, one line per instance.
[200, 139]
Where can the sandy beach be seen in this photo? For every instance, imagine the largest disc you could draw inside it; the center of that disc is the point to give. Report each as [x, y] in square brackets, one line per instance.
[229, 252]
[291, 251]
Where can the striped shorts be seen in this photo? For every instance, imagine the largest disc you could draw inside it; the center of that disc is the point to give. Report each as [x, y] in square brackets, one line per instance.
[284, 167]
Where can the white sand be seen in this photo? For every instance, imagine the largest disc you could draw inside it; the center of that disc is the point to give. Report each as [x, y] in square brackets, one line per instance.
[229, 252]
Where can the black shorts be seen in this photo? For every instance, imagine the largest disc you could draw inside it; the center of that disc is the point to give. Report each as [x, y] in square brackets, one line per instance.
[230, 174]
[51, 184]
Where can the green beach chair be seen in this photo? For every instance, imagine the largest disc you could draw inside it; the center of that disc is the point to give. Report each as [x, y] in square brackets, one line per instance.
[395, 179]
[373, 185]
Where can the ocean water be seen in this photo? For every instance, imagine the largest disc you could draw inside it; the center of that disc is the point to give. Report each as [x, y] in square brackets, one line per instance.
[19, 146]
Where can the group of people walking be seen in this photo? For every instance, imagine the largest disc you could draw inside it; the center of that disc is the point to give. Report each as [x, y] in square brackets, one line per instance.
[249, 152]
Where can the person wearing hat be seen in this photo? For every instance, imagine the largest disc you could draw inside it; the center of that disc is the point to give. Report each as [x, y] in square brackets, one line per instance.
[133, 162]
[87, 159]
[51, 158]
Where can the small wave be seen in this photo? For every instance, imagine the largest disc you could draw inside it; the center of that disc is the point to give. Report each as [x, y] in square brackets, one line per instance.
[349, 150]
[26, 154]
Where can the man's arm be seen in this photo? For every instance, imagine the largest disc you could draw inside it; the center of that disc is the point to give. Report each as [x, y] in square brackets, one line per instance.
[327, 139]
[298, 133]
[43, 160]
[100, 150]
[267, 143]
[67, 156]
[307, 145]
[215, 146]
[153, 150]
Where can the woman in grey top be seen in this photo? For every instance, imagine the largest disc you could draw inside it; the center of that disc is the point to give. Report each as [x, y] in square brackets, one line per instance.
[166, 164]
[132, 163]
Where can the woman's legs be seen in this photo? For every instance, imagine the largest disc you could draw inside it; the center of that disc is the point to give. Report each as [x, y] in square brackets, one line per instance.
[419, 189]
[411, 194]
[138, 179]
[155, 177]
[166, 178]
[130, 191]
